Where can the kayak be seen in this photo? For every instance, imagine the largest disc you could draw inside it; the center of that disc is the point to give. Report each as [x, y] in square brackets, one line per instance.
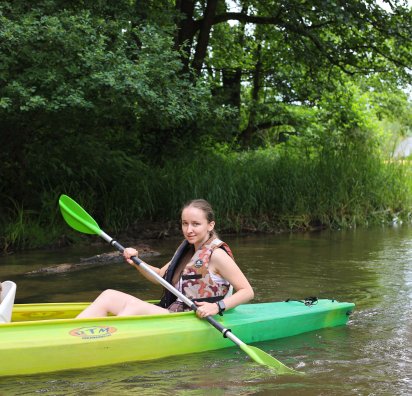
[47, 337]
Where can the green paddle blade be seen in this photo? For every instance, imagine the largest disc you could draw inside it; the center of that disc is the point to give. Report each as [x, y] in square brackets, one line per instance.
[76, 217]
[265, 359]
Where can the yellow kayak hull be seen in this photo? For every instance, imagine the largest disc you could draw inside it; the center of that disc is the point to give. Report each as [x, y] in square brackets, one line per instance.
[46, 337]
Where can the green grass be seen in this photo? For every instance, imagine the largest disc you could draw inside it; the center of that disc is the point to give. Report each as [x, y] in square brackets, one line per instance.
[264, 190]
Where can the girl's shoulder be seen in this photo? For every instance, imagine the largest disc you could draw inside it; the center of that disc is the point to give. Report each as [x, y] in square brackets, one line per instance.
[220, 256]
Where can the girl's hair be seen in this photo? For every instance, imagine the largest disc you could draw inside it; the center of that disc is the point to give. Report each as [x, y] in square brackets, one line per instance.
[205, 206]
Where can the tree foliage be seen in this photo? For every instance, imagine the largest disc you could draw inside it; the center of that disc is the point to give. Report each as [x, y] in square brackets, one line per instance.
[95, 91]
[81, 87]
[293, 52]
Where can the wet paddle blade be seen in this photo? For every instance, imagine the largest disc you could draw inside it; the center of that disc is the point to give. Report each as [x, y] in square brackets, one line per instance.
[76, 217]
[265, 359]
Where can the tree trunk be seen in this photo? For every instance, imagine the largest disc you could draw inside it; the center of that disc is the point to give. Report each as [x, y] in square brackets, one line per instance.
[246, 135]
[185, 30]
[231, 86]
[204, 36]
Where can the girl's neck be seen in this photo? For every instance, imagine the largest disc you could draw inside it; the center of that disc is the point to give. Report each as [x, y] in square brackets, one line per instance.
[200, 245]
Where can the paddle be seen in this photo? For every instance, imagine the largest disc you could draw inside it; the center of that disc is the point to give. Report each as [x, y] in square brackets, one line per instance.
[77, 218]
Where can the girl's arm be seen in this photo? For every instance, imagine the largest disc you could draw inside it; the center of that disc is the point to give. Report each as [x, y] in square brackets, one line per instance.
[223, 265]
[130, 252]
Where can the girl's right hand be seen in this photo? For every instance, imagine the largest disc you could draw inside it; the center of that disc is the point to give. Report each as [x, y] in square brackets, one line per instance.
[128, 253]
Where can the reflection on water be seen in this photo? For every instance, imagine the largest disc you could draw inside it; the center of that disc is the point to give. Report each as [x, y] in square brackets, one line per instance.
[372, 355]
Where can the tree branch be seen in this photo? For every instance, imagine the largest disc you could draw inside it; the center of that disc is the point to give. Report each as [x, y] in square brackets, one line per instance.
[258, 20]
[241, 17]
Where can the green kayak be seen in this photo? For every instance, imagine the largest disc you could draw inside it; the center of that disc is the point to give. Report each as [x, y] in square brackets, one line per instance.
[46, 337]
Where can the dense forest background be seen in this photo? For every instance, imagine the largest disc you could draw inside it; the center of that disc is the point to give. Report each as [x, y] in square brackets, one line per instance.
[284, 114]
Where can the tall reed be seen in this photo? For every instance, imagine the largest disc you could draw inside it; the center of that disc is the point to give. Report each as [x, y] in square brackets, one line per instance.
[270, 189]
[262, 190]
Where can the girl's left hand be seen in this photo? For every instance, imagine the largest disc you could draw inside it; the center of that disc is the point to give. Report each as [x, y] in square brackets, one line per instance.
[206, 309]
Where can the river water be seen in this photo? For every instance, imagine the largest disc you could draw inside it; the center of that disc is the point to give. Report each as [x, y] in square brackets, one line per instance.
[372, 355]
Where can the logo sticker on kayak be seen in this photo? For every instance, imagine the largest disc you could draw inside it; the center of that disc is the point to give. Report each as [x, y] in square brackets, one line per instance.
[91, 332]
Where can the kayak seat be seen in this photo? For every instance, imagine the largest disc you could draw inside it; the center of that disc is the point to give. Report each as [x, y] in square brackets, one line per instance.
[8, 293]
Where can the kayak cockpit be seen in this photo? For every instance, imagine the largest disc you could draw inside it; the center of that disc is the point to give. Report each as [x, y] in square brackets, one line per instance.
[48, 311]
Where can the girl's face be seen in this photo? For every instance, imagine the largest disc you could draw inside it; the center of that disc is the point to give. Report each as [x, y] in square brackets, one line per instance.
[195, 226]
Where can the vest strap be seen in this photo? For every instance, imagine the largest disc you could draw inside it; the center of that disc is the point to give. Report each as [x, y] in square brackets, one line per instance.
[194, 276]
[209, 299]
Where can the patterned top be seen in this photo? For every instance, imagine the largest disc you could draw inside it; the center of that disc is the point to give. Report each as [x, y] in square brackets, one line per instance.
[197, 282]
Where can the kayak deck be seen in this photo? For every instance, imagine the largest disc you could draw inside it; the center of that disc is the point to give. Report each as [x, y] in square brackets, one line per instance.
[46, 337]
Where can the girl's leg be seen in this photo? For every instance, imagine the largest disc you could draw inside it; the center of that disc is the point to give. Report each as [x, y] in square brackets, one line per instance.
[119, 304]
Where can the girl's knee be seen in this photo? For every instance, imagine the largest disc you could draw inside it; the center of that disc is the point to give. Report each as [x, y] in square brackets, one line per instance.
[107, 294]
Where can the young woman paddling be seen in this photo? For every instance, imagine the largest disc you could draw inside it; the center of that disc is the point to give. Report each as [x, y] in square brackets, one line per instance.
[202, 268]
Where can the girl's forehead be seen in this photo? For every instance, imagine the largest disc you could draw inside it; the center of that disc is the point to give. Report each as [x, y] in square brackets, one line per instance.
[193, 213]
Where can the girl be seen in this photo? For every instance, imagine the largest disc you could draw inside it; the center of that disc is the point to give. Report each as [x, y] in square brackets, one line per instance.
[202, 268]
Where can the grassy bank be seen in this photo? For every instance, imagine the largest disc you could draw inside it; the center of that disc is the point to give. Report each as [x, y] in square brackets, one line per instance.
[265, 190]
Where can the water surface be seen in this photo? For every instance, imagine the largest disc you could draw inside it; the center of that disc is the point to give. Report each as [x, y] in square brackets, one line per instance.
[372, 355]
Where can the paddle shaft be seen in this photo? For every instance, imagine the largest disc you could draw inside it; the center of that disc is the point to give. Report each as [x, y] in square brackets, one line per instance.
[226, 332]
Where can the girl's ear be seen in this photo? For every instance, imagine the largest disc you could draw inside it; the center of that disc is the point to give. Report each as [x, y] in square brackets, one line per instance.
[211, 225]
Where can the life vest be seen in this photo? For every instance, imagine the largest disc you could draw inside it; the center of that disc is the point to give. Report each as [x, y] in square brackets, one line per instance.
[195, 281]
